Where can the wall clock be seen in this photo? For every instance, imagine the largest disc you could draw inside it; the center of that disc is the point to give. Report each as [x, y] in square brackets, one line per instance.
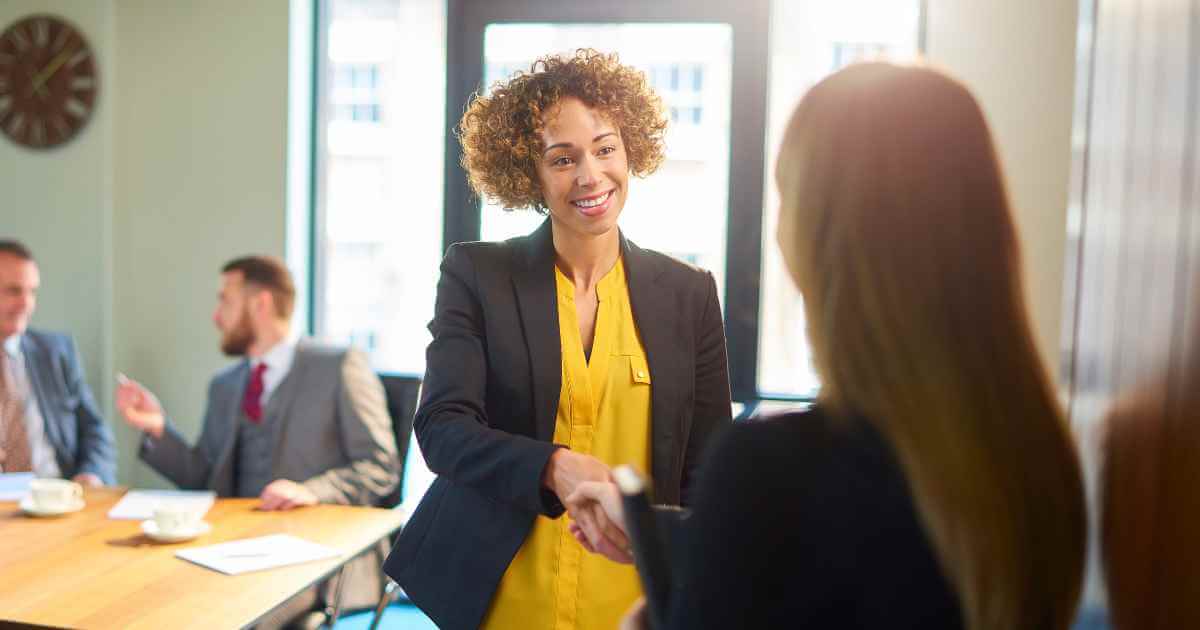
[48, 81]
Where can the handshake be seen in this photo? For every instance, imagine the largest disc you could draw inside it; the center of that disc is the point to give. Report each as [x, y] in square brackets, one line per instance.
[586, 488]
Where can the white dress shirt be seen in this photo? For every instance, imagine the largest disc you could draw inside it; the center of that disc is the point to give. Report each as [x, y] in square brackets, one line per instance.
[279, 361]
[45, 463]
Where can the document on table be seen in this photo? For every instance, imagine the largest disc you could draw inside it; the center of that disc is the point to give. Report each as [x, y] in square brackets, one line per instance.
[14, 486]
[255, 554]
[139, 504]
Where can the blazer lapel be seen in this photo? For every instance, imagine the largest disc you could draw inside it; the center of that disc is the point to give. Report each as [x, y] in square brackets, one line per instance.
[652, 304]
[38, 368]
[280, 404]
[533, 282]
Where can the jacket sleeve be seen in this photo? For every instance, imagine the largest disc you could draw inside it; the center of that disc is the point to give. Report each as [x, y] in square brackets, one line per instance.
[711, 409]
[365, 430]
[188, 467]
[451, 423]
[97, 450]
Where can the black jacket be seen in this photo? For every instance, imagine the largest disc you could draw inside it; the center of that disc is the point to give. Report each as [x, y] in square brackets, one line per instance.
[805, 521]
[490, 398]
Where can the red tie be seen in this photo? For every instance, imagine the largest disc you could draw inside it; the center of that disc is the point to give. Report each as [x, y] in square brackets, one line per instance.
[251, 401]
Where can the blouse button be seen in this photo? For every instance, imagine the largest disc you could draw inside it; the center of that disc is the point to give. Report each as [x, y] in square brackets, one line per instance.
[641, 374]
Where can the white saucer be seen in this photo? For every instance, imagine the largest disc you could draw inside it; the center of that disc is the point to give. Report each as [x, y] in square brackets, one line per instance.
[150, 528]
[28, 507]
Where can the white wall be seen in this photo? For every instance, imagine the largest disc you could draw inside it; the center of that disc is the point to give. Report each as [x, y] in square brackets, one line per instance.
[1018, 56]
[59, 202]
[200, 157]
[181, 168]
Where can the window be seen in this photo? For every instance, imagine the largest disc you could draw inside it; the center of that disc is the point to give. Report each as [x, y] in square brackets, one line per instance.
[381, 223]
[381, 220]
[682, 87]
[379, 169]
[822, 37]
[846, 53]
[356, 92]
[378, 217]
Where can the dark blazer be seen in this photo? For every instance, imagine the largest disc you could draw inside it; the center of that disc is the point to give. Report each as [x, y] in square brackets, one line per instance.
[490, 399]
[83, 442]
[805, 521]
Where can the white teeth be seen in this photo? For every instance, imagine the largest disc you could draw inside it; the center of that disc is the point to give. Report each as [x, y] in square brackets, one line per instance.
[592, 203]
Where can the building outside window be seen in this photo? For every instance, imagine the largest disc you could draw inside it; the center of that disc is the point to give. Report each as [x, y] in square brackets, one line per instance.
[356, 92]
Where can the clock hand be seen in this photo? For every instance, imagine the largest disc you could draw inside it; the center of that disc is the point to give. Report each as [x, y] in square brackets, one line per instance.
[41, 90]
[40, 79]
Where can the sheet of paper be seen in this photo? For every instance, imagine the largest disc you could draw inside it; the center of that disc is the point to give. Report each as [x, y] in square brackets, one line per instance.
[14, 486]
[255, 554]
[139, 504]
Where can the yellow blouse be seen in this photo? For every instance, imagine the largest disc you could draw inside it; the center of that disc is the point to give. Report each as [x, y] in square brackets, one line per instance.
[604, 411]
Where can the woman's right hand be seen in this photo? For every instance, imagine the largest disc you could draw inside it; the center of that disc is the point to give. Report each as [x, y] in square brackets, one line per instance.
[566, 472]
[567, 469]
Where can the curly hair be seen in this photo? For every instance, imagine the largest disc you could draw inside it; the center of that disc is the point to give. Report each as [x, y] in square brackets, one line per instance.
[501, 133]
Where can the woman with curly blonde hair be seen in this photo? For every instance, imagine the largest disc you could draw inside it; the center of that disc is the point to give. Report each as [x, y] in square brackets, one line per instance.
[555, 356]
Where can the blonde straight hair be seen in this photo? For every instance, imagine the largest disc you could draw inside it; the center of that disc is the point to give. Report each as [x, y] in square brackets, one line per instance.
[895, 226]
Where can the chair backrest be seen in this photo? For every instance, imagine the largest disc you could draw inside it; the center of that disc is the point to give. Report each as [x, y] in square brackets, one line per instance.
[402, 393]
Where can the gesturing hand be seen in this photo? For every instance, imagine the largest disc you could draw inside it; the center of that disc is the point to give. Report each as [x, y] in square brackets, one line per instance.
[599, 520]
[139, 406]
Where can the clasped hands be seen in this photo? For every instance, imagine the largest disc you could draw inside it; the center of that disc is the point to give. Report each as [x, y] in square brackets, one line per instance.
[585, 486]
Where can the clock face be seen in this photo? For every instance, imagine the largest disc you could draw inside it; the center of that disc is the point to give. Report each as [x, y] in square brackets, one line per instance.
[48, 81]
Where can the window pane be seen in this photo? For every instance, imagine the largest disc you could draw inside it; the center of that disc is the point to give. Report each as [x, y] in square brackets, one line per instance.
[810, 39]
[380, 169]
[681, 209]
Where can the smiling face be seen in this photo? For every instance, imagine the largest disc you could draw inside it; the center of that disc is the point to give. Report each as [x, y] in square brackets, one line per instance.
[584, 171]
[19, 282]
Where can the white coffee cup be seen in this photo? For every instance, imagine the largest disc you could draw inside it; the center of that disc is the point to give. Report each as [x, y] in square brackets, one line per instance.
[55, 495]
[176, 518]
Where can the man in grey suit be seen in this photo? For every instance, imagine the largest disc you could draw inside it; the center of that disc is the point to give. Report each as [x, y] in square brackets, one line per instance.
[294, 423]
[49, 424]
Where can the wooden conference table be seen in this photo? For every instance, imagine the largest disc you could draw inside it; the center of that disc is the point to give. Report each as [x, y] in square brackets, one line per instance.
[83, 570]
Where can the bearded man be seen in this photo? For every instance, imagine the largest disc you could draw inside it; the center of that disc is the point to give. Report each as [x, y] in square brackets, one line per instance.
[293, 422]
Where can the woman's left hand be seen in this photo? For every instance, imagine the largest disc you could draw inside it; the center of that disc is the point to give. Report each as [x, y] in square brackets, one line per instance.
[607, 548]
[599, 520]
[635, 617]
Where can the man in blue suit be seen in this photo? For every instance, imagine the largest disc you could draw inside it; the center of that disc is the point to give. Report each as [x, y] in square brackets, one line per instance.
[49, 423]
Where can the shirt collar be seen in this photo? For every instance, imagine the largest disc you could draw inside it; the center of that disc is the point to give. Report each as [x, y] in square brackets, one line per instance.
[12, 346]
[278, 358]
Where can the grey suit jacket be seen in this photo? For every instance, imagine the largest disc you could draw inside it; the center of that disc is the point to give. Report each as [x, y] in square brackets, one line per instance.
[82, 441]
[331, 432]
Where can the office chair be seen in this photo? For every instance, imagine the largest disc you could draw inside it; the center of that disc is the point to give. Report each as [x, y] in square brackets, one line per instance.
[402, 393]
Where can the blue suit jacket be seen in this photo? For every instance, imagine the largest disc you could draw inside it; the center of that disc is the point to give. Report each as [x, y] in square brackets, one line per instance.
[82, 441]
